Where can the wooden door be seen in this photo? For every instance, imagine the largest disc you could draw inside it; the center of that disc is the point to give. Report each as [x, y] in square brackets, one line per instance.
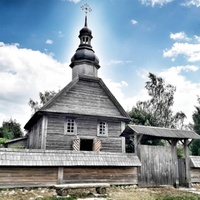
[159, 166]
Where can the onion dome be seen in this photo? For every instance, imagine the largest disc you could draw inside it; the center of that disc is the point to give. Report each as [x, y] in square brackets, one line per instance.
[85, 55]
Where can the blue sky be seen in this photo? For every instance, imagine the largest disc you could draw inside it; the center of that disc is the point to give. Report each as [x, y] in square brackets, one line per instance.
[130, 37]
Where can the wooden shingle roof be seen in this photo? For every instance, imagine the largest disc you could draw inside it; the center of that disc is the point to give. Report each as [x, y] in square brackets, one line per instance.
[160, 132]
[36, 157]
[195, 161]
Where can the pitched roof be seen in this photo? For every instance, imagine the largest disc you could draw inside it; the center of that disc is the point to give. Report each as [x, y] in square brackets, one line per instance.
[160, 132]
[84, 95]
[28, 157]
[195, 161]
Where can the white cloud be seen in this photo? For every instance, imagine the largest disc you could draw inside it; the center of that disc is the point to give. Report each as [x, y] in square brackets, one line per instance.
[154, 2]
[23, 74]
[60, 34]
[48, 41]
[74, 1]
[197, 38]
[191, 3]
[191, 51]
[133, 22]
[118, 62]
[179, 36]
[185, 97]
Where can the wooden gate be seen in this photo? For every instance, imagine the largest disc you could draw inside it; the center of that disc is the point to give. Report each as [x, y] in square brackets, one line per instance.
[159, 166]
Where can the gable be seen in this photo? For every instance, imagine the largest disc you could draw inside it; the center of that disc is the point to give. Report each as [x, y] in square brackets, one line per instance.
[88, 96]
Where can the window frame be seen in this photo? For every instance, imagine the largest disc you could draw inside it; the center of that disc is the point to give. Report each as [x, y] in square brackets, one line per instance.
[104, 129]
[69, 125]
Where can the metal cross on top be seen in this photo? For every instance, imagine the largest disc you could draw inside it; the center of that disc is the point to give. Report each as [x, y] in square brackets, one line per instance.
[87, 8]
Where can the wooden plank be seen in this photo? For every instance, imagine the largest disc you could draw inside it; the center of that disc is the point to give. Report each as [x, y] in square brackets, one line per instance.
[44, 132]
[100, 174]
[157, 166]
[82, 185]
[187, 163]
[60, 175]
[24, 176]
[95, 101]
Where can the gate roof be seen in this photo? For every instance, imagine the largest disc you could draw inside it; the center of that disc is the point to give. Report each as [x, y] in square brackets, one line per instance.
[159, 132]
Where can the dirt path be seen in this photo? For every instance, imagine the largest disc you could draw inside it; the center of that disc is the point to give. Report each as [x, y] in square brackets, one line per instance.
[113, 193]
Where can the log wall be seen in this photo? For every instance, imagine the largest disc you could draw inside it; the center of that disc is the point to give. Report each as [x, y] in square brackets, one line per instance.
[86, 97]
[195, 175]
[112, 175]
[27, 176]
[35, 136]
[48, 176]
[86, 128]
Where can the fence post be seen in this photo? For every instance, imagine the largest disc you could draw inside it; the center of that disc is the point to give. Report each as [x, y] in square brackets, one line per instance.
[187, 163]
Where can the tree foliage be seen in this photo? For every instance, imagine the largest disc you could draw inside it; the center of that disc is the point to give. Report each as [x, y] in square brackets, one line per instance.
[10, 129]
[44, 98]
[195, 147]
[157, 111]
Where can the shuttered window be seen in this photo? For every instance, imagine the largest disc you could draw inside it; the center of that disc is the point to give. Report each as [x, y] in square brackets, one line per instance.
[76, 145]
[102, 129]
[97, 145]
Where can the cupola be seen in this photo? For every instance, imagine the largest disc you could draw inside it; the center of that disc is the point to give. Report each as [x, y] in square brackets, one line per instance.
[84, 61]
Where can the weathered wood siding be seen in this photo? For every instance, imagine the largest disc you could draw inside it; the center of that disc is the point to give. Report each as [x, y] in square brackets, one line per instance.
[182, 172]
[48, 176]
[35, 134]
[195, 175]
[27, 176]
[159, 166]
[113, 175]
[112, 144]
[86, 97]
[86, 128]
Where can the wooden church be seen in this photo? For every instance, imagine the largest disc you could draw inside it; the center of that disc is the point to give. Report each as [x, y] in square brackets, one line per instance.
[82, 116]
[75, 137]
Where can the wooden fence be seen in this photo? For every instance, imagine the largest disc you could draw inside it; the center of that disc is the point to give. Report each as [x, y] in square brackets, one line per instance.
[159, 166]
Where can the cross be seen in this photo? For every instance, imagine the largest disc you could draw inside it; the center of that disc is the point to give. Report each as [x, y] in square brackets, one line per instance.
[87, 8]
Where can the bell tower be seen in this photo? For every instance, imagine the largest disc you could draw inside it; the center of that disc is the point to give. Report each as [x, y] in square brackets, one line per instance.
[84, 61]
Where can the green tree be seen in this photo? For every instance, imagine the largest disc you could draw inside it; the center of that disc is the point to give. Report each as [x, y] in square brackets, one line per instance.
[10, 129]
[195, 146]
[157, 111]
[44, 98]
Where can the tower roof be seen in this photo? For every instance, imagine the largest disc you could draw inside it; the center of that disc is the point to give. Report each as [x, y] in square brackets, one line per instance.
[85, 54]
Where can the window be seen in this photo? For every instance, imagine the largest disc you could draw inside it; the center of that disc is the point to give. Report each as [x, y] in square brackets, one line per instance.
[86, 145]
[102, 129]
[70, 127]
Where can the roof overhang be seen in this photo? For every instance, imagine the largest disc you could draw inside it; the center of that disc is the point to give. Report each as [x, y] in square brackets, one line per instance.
[158, 132]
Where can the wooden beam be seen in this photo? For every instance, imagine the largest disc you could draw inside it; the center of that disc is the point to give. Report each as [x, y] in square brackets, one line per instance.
[175, 162]
[123, 144]
[187, 163]
[60, 175]
[44, 132]
[137, 140]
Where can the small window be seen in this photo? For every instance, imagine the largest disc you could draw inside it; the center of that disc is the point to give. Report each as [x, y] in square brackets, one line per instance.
[102, 129]
[70, 126]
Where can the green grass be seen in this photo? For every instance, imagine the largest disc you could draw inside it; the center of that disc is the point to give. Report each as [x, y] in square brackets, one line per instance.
[60, 198]
[192, 197]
